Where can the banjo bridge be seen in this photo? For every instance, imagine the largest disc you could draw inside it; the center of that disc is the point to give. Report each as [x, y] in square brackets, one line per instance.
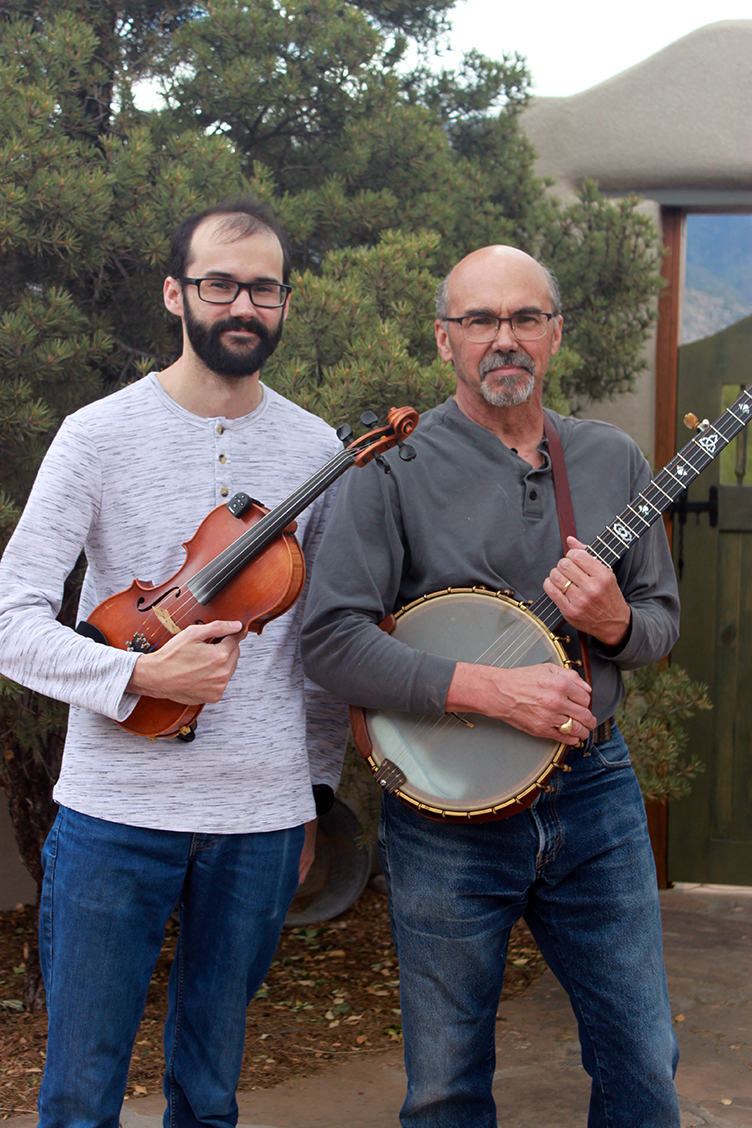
[390, 777]
[463, 720]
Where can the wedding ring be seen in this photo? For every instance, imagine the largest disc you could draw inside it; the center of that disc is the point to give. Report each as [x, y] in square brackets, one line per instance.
[567, 585]
[567, 727]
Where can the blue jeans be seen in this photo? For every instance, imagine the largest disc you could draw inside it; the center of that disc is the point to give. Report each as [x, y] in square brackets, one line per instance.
[108, 893]
[578, 867]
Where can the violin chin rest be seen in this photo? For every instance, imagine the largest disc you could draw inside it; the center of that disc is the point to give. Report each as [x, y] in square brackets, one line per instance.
[89, 631]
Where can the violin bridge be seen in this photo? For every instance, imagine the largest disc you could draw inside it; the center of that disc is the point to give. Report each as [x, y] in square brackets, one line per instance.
[167, 620]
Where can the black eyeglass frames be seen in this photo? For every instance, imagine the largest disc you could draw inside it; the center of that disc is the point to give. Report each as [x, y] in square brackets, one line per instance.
[224, 291]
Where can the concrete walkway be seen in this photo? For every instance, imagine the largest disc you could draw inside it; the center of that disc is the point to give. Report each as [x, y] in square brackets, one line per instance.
[540, 1082]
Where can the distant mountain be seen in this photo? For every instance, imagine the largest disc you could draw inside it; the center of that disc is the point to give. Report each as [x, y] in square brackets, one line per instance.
[718, 284]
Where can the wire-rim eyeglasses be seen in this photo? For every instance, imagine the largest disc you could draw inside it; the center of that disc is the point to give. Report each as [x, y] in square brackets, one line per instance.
[483, 328]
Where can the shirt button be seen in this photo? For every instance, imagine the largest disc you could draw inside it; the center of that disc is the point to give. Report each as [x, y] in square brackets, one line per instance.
[220, 429]
[224, 491]
[533, 495]
[223, 458]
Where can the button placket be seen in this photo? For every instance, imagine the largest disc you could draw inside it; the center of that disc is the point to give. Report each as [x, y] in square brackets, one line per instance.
[222, 462]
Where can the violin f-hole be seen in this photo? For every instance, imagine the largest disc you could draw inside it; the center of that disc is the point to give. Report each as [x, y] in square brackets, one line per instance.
[140, 601]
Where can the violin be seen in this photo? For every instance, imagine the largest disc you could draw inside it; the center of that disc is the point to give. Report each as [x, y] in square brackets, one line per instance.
[243, 562]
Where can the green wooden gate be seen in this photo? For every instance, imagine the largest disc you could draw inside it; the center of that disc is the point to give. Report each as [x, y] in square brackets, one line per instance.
[710, 832]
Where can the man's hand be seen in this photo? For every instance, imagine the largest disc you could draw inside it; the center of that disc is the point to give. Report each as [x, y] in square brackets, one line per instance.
[536, 699]
[190, 669]
[588, 596]
[308, 853]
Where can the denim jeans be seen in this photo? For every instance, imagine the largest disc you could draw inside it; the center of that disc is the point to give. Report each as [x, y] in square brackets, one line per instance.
[578, 867]
[107, 895]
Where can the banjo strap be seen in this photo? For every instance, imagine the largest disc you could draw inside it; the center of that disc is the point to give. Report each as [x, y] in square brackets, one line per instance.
[565, 513]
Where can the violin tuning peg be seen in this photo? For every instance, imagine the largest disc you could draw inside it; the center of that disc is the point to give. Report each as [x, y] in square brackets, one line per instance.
[369, 419]
[407, 453]
[382, 462]
[344, 432]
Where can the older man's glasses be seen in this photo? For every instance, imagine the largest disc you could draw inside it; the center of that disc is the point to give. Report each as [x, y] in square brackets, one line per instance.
[224, 291]
[482, 328]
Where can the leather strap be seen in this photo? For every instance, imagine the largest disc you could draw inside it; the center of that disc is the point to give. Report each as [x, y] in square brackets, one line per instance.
[565, 513]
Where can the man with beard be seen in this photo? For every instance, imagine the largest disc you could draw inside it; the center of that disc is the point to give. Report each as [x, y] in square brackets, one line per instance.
[222, 827]
[477, 507]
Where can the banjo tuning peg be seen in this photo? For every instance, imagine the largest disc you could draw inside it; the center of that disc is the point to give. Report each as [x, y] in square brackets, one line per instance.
[695, 424]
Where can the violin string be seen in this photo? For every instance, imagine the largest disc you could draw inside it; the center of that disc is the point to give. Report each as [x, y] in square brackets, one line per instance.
[154, 631]
[183, 610]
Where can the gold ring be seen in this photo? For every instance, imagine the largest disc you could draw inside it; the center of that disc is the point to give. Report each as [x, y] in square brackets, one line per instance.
[567, 585]
[566, 728]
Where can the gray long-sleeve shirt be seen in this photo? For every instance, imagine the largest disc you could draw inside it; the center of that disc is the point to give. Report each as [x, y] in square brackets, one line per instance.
[470, 511]
[129, 479]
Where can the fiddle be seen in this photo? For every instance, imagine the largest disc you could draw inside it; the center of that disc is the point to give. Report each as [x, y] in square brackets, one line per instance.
[242, 563]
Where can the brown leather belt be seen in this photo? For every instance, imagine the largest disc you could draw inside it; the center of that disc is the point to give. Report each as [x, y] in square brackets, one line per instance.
[603, 731]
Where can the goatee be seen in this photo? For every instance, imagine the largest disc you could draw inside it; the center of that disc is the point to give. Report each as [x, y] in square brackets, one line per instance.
[224, 360]
[507, 391]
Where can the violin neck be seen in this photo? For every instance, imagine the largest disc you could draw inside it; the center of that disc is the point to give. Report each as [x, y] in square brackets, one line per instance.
[209, 580]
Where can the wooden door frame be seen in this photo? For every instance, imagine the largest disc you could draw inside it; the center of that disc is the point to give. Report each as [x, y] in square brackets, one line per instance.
[673, 220]
[668, 334]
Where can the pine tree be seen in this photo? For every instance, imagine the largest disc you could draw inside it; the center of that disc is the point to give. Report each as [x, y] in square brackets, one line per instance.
[385, 175]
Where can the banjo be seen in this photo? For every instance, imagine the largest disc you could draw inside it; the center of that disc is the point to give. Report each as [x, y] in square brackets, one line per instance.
[473, 768]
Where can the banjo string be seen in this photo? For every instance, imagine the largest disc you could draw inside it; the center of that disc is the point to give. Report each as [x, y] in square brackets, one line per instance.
[514, 642]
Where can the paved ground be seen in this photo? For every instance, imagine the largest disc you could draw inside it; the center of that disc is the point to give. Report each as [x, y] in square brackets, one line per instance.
[539, 1081]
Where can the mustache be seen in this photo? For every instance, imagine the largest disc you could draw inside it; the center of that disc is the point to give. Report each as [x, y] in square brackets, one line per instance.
[252, 324]
[515, 358]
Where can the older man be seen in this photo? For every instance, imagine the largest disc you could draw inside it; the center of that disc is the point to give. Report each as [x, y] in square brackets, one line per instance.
[478, 507]
[216, 826]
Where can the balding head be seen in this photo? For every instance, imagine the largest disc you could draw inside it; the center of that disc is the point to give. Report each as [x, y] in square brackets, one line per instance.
[497, 325]
[497, 257]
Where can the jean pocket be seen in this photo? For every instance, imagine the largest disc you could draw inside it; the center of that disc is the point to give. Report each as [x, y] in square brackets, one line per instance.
[613, 753]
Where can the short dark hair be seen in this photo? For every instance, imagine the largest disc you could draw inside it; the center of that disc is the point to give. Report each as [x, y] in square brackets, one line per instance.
[245, 216]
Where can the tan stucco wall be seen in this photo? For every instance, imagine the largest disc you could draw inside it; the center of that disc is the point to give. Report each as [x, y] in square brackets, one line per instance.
[682, 118]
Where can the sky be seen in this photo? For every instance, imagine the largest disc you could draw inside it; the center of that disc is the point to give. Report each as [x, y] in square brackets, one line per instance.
[572, 45]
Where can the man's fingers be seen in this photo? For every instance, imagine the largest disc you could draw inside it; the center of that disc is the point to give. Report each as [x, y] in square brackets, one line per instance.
[219, 628]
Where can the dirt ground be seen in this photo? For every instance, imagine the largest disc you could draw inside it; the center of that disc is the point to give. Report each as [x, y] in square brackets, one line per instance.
[331, 992]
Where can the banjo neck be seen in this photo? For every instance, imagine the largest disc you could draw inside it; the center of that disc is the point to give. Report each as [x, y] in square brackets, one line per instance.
[652, 502]
[476, 768]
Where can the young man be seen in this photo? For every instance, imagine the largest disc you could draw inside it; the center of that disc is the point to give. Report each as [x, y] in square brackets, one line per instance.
[477, 507]
[216, 826]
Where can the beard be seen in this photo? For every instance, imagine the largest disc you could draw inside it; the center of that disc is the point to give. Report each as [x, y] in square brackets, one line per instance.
[223, 360]
[507, 391]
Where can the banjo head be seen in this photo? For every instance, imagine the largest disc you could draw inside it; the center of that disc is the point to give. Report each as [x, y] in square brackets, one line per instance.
[461, 768]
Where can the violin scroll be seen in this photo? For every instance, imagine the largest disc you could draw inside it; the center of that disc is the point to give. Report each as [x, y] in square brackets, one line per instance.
[402, 421]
